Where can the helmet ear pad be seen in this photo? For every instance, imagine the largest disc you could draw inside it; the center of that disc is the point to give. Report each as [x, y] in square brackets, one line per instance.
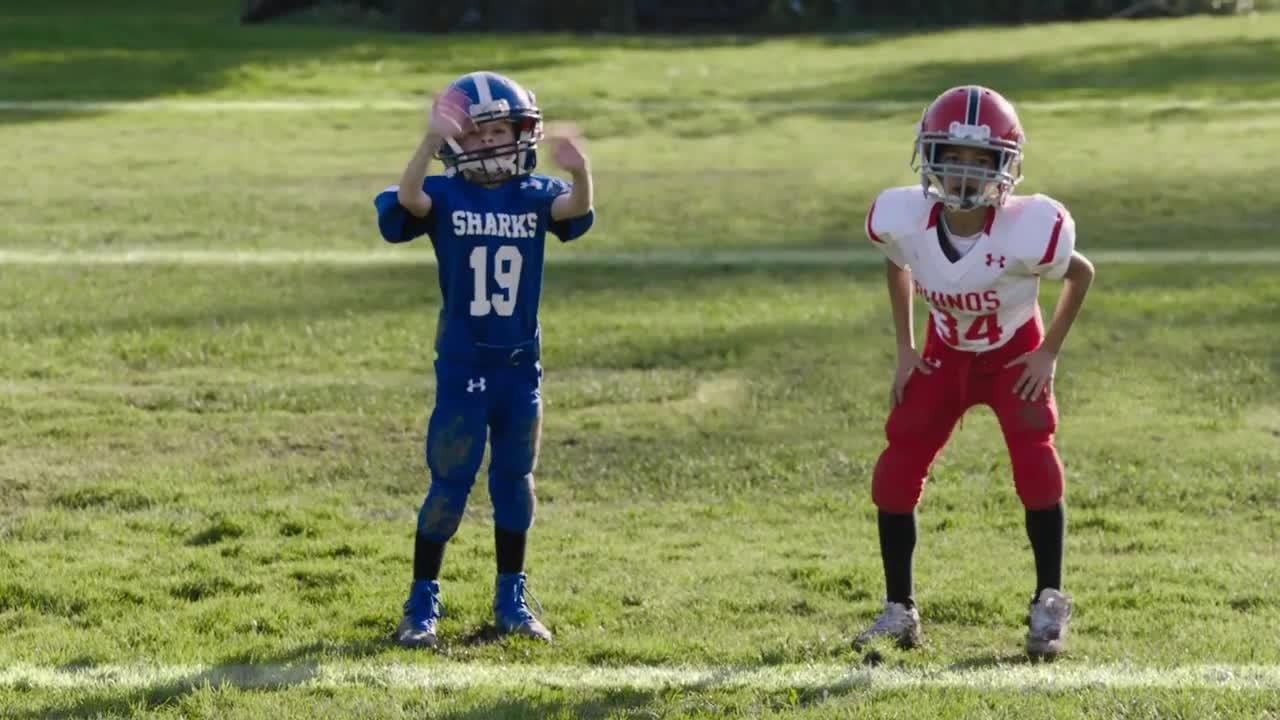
[528, 132]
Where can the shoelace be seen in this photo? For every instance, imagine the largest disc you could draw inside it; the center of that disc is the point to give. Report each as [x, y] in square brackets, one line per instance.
[520, 590]
[434, 605]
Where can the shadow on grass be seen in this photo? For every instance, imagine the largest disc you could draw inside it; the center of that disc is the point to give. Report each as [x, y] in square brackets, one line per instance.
[988, 661]
[296, 672]
[1232, 68]
[135, 51]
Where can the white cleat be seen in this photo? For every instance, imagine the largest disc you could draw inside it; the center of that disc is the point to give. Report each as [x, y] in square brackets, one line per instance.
[896, 621]
[531, 628]
[1047, 624]
[413, 634]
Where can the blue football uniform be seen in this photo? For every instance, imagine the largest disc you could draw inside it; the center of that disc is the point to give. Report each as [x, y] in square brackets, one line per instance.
[489, 246]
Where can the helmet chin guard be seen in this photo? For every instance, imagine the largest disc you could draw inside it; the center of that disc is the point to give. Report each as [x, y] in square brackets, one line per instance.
[486, 165]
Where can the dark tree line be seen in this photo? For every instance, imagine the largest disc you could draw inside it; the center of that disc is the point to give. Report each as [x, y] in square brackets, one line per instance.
[735, 15]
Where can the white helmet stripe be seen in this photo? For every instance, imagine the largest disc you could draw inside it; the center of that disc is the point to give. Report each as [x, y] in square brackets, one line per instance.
[482, 87]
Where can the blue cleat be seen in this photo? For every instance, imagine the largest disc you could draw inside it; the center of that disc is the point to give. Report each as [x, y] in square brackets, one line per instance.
[510, 611]
[421, 611]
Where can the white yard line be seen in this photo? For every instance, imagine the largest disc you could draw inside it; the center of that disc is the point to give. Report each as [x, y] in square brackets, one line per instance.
[400, 104]
[379, 255]
[640, 677]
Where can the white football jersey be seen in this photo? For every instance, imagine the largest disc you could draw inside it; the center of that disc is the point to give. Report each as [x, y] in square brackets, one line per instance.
[979, 301]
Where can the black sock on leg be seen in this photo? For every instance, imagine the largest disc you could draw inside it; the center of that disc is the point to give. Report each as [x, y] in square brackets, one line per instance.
[1046, 530]
[897, 543]
[427, 557]
[509, 550]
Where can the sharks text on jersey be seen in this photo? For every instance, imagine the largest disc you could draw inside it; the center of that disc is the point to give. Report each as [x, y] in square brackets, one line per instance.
[493, 224]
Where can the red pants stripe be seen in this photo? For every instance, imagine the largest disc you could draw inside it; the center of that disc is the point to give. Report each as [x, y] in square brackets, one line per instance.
[932, 405]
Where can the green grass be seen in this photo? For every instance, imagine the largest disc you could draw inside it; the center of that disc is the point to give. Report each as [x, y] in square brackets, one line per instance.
[306, 180]
[218, 468]
[200, 50]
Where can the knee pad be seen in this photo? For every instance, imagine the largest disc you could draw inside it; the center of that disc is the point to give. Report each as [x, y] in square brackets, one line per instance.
[898, 480]
[513, 500]
[441, 512]
[916, 434]
[1029, 422]
[515, 453]
[1037, 473]
[454, 452]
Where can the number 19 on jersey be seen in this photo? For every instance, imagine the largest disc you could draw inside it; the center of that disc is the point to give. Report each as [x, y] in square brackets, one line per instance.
[506, 274]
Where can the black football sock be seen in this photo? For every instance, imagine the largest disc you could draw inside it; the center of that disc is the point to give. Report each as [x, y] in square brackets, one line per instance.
[509, 550]
[897, 543]
[427, 556]
[1046, 529]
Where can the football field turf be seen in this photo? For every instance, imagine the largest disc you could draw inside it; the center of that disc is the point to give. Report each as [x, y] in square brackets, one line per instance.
[215, 378]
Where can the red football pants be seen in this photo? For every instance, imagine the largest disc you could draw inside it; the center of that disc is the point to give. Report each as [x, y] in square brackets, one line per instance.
[932, 405]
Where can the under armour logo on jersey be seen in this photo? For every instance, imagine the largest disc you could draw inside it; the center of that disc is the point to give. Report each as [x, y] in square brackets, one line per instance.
[474, 385]
[993, 259]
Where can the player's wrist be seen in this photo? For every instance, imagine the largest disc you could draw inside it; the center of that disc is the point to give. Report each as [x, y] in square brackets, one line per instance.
[433, 140]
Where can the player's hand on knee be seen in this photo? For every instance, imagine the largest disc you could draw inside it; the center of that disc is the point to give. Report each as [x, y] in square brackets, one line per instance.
[1037, 373]
[908, 361]
[450, 114]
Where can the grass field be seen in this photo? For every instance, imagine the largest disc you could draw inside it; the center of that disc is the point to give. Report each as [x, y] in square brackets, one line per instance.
[210, 470]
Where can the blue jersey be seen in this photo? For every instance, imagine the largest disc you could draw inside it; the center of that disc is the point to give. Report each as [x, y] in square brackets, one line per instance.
[489, 245]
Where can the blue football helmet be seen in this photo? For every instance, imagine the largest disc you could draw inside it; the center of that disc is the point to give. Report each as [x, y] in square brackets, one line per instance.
[496, 98]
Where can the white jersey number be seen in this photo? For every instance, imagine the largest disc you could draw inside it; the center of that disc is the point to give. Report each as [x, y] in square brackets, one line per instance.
[506, 273]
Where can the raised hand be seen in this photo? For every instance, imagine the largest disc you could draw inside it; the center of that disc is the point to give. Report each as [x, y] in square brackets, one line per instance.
[450, 114]
[566, 147]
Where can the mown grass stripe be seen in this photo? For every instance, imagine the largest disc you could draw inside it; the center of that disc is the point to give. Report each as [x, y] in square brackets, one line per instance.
[1043, 677]
[377, 255]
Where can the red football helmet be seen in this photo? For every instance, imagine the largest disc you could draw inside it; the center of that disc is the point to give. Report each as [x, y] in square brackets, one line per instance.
[969, 116]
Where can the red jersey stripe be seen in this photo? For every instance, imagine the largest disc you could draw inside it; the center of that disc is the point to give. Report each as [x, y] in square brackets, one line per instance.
[872, 233]
[1052, 250]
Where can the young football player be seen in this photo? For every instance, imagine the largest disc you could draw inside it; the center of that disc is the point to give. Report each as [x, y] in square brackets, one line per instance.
[963, 242]
[487, 217]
